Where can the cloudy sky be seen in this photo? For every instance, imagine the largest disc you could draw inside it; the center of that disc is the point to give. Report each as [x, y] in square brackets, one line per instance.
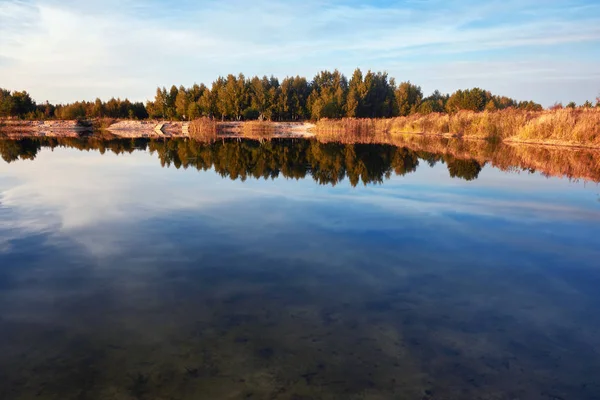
[66, 50]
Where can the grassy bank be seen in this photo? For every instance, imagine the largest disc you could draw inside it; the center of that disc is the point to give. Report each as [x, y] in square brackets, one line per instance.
[570, 127]
[566, 127]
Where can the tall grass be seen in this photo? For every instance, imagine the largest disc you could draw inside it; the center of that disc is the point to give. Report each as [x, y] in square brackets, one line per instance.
[203, 129]
[258, 129]
[576, 127]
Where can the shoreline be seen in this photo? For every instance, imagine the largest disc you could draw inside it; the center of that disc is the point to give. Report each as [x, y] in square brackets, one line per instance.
[324, 130]
[150, 129]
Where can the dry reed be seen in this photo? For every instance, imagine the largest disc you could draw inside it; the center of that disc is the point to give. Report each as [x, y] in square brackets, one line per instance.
[573, 127]
[258, 129]
[203, 129]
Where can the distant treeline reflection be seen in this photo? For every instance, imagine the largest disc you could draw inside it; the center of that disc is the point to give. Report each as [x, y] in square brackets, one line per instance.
[331, 162]
[326, 163]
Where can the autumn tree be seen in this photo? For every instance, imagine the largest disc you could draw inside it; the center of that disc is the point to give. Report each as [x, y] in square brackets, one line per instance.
[6, 103]
[182, 103]
[22, 104]
[529, 106]
[231, 96]
[378, 96]
[328, 97]
[355, 95]
[409, 98]
[261, 99]
[234, 97]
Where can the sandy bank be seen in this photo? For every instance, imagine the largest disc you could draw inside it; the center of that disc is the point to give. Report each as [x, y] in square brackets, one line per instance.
[17, 128]
[155, 129]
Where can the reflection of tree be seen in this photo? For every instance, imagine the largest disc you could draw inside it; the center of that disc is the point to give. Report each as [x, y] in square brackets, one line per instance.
[25, 149]
[326, 163]
[466, 169]
[405, 161]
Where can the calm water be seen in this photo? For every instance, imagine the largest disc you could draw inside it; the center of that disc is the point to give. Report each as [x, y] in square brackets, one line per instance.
[140, 276]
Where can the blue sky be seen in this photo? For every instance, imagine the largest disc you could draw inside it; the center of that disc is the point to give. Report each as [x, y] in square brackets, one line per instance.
[66, 50]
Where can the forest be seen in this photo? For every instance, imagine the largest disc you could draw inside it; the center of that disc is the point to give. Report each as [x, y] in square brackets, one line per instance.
[237, 98]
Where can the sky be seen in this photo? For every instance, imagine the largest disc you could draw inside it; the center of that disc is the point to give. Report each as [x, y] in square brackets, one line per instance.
[66, 50]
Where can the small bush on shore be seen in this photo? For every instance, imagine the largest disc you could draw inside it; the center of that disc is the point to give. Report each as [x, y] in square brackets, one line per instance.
[204, 129]
[258, 129]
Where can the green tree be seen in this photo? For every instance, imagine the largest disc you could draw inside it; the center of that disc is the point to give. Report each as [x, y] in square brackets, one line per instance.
[529, 106]
[409, 98]
[98, 109]
[194, 111]
[355, 95]
[231, 97]
[471, 99]
[378, 96]
[182, 103]
[293, 97]
[170, 109]
[436, 102]
[196, 92]
[158, 108]
[260, 99]
[328, 97]
[6, 103]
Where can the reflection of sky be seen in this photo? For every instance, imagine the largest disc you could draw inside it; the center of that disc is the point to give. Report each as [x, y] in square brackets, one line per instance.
[100, 200]
[116, 249]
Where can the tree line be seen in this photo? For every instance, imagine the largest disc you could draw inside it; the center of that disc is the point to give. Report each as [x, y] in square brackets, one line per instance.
[325, 163]
[235, 97]
[21, 105]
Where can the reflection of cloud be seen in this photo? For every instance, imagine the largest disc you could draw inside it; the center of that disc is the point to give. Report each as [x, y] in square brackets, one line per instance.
[101, 201]
[88, 188]
[88, 195]
[440, 203]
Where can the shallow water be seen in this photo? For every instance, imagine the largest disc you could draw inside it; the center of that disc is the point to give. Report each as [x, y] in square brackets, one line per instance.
[292, 270]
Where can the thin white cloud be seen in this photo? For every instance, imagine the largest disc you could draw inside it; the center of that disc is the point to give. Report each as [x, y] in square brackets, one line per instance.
[63, 51]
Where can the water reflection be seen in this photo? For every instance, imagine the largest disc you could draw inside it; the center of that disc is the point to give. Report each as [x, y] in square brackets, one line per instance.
[123, 279]
[330, 163]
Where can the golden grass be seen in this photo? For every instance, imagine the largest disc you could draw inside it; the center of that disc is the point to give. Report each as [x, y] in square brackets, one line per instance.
[203, 129]
[258, 129]
[566, 126]
[573, 127]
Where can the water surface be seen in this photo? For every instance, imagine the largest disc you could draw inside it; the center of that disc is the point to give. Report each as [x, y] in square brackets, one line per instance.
[294, 270]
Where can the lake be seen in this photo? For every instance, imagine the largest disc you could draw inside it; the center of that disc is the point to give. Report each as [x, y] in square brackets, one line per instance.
[293, 269]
